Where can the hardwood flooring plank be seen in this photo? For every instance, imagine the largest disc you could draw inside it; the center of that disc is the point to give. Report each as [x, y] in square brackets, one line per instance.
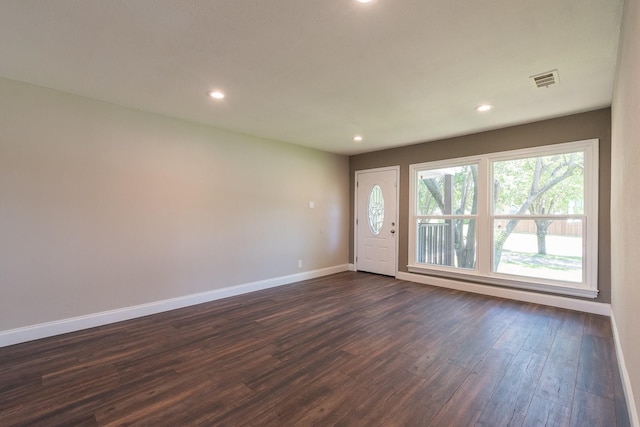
[295, 408]
[383, 369]
[599, 326]
[164, 403]
[467, 403]
[545, 413]
[296, 372]
[513, 338]
[133, 400]
[478, 344]
[61, 419]
[539, 342]
[557, 382]
[420, 408]
[341, 401]
[390, 394]
[572, 325]
[17, 352]
[595, 370]
[566, 348]
[592, 410]
[203, 408]
[510, 401]
[441, 348]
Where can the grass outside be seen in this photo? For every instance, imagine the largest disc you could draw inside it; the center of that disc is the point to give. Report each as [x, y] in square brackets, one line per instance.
[563, 260]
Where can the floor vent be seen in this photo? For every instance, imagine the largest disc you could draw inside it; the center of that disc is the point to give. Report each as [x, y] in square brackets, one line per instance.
[546, 79]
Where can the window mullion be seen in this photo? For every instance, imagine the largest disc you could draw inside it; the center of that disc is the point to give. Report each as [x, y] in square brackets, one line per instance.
[484, 220]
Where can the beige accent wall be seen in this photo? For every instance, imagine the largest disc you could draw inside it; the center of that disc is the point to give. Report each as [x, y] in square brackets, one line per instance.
[103, 207]
[594, 124]
[625, 198]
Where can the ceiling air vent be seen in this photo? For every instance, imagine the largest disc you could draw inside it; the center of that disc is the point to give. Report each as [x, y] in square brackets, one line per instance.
[546, 79]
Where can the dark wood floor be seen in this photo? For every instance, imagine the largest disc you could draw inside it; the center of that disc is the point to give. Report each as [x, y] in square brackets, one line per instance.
[352, 349]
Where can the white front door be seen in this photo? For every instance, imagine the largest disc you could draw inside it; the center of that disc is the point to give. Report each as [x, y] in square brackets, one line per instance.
[377, 220]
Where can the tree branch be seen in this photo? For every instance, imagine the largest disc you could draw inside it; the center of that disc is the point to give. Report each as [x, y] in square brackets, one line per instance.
[435, 192]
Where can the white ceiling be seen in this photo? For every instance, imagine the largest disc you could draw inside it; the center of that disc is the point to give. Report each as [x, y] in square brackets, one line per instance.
[314, 72]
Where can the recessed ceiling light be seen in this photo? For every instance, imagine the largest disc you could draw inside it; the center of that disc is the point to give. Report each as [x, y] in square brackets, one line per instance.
[364, 1]
[216, 94]
[358, 138]
[484, 107]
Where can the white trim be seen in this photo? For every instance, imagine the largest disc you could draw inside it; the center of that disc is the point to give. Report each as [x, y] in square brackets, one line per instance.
[540, 285]
[514, 294]
[355, 212]
[63, 326]
[352, 267]
[624, 374]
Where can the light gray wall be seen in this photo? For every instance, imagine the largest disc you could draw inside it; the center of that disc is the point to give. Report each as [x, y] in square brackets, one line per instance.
[594, 124]
[103, 207]
[625, 200]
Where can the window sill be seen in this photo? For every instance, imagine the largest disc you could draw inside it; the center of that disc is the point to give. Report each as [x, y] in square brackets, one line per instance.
[528, 284]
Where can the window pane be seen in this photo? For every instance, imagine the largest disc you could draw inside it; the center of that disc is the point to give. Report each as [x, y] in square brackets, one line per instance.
[447, 191]
[376, 209]
[447, 242]
[539, 248]
[544, 185]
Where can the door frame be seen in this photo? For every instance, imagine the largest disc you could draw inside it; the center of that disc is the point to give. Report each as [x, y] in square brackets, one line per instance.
[396, 169]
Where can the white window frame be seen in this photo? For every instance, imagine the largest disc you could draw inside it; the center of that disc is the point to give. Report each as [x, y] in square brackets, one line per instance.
[484, 225]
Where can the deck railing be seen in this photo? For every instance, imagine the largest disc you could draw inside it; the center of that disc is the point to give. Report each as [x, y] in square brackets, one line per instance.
[435, 243]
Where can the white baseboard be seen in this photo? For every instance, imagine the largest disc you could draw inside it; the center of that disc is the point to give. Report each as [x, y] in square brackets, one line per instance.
[43, 330]
[352, 267]
[514, 294]
[624, 374]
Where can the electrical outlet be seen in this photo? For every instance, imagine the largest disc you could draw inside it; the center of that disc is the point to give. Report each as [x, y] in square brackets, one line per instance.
[299, 263]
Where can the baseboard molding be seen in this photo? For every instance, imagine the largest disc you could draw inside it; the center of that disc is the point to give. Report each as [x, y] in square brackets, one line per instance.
[44, 330]
[624, 374]
[514, 294]
[352, 267]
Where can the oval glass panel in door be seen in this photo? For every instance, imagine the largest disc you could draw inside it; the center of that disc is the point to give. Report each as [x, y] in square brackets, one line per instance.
[376, 209]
